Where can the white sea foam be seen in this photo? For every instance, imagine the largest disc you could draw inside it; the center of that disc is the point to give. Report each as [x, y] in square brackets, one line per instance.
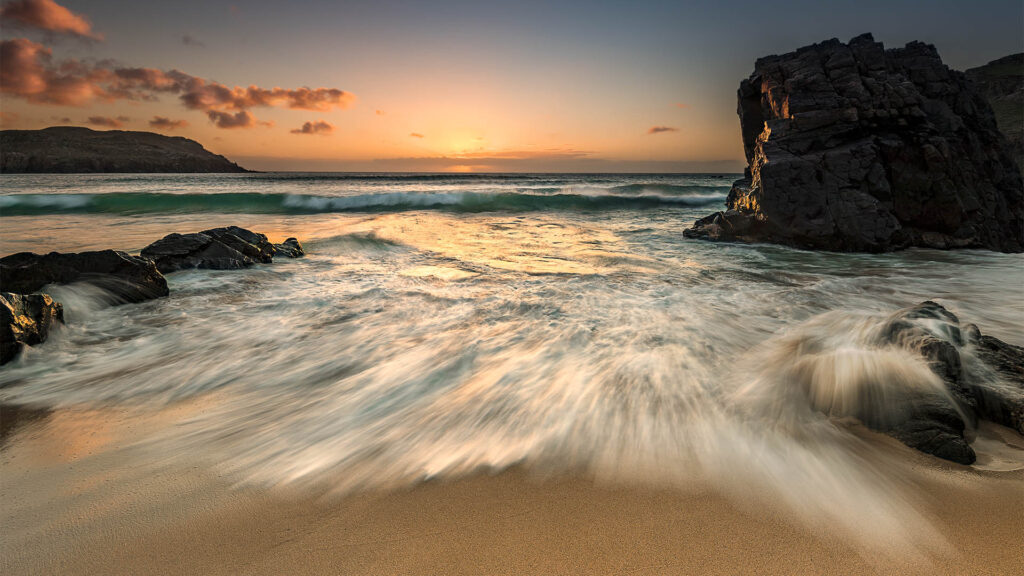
[601, 342]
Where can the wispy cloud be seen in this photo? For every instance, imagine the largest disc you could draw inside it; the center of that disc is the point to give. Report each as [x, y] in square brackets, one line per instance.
[106, 122]
[416, 135]
[164, 123]
[190, 40]
[682, 105]
[378, 112]
[661, 129]
[319, 127]
[48, 16]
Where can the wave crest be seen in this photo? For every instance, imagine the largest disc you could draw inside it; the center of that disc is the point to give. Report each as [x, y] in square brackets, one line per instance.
[639, 197]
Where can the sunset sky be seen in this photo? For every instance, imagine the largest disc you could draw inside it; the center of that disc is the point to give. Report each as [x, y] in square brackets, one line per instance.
[420, 86]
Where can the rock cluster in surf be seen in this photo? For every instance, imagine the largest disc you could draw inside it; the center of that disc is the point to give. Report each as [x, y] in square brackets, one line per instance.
[225, 248]
[26, 318]
[984, 378]
[853, 147]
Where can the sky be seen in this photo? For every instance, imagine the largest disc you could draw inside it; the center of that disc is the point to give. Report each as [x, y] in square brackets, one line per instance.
[443, 86]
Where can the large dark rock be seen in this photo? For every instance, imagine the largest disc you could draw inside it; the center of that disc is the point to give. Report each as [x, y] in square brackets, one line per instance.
[856, 148]
[128, 278]
[984, 378]
[25, 320]
[70, 149]
[226, 248]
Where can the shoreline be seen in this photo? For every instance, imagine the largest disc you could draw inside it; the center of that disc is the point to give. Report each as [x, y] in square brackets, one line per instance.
[77, 508]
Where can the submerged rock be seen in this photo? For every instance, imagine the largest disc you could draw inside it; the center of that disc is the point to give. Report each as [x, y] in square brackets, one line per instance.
[128, 278]
[856, 148]
[290, 248]
[984, 378]
[25, 320]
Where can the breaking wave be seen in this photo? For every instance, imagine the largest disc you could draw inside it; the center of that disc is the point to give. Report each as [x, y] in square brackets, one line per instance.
[621, 197]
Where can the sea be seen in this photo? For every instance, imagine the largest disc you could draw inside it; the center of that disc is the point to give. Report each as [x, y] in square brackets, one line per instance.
[443, 325]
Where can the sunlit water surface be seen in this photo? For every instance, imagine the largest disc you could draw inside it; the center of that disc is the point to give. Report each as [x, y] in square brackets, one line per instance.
[440, 326]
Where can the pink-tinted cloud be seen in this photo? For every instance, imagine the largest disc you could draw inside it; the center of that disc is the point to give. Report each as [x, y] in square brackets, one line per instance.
[416, 135]
[48, 16]
[379, 112]
[682, 105]
[661, 129]
[106, 122]
[200, 94]
[27, 70]
[242, 119]
[164, 123]
[319, 127]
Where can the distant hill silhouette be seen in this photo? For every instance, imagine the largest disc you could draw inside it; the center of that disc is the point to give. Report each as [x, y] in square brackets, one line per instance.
[69, 149]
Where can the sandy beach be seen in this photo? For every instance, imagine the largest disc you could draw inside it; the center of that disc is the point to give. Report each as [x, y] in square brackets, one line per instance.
[72, 505]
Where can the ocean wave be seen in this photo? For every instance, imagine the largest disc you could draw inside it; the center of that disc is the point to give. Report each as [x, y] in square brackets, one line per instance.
[636, 197]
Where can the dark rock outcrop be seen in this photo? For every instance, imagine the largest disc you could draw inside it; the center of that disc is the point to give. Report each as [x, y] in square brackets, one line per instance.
[68, 149]
[853, 147]
[25, 320]
[984, 378]
[1001, 82]
[224, 248]
[290, 248]
[128, 278]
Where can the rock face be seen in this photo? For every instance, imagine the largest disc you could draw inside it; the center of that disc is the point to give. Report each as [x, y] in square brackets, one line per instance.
[983, 376]
[25, 320]
[1001, 82]
[225, 248]
[853, 147]
[68, 149]
[129, 278]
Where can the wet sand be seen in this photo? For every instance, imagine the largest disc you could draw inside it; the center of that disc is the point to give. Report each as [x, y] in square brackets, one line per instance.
[73, 503]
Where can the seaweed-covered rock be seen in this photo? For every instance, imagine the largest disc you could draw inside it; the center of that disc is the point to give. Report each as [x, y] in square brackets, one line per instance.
[856, 148]
[25, 320]
[128, 278]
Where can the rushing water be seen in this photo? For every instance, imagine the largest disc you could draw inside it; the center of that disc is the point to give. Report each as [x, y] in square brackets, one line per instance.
[442, 325]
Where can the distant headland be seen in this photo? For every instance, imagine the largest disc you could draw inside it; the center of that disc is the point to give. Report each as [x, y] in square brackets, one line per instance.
[71, 150]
